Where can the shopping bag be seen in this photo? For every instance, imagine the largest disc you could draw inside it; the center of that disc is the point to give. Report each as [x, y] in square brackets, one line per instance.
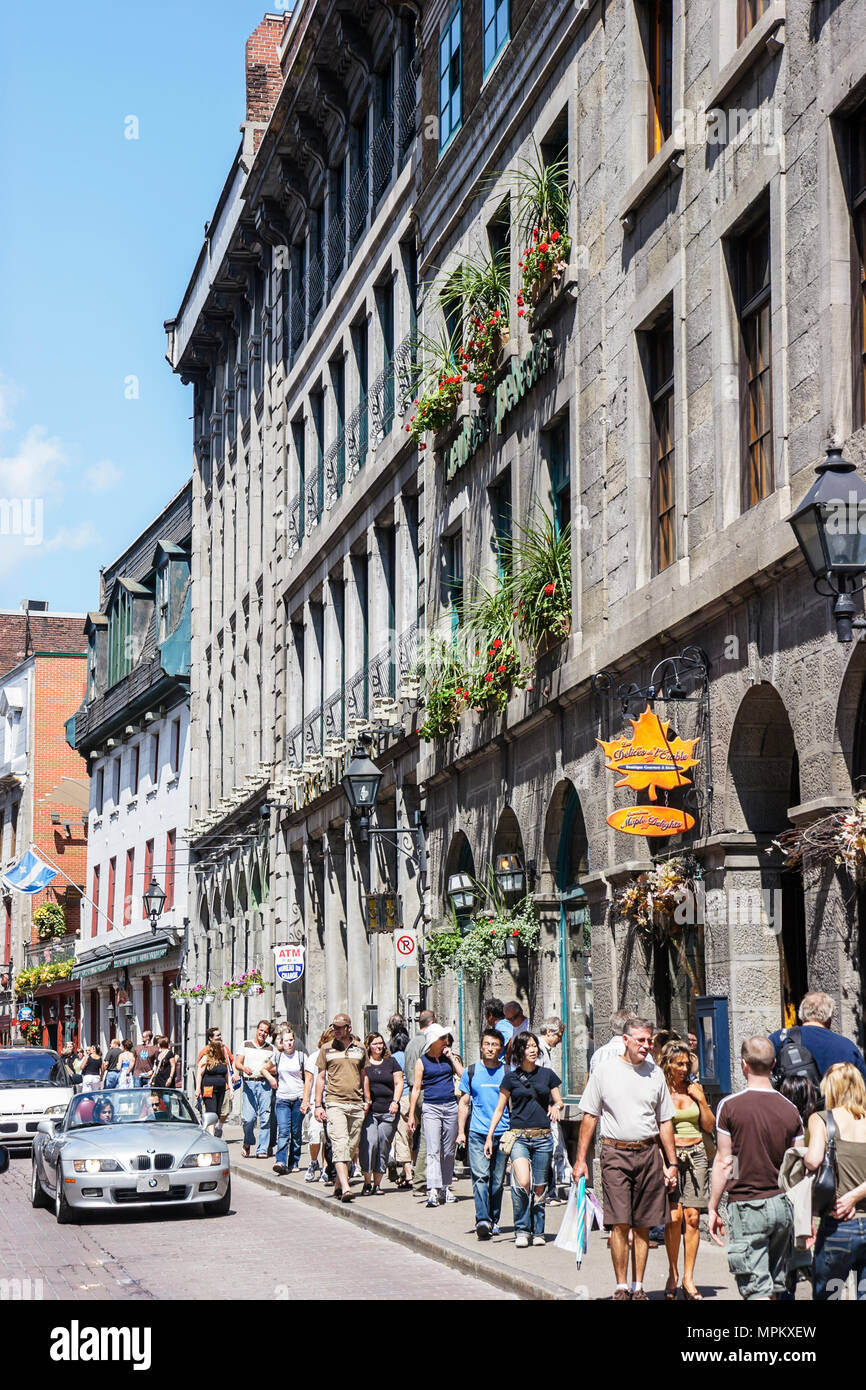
[566, 1238]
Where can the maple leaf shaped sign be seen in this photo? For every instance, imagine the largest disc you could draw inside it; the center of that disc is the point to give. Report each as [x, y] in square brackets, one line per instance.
[650, 758]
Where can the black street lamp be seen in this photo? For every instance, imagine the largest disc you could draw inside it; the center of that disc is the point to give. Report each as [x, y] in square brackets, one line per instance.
[461, 891]
[361, 785]
[830, 526]
[154, 902]
[509, 874]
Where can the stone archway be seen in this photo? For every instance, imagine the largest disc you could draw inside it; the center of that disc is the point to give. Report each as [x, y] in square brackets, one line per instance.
[565, 862]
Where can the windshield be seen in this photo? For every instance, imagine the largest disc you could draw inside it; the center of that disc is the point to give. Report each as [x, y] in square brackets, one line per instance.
[130, 1108]
[26, 1067]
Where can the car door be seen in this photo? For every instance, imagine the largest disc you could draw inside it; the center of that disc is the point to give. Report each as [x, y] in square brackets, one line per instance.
[50, 1159]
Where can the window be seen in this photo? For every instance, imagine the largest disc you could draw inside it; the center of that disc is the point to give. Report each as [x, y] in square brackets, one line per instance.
[858, 288]
[338, 383]
[499, 239]
[94, 894]
[148, 872]
[154, 759]
[385, 307]
[116, 766]
[659, 73]
[112, 882]
[316, 490]
[128, 887]
[120, 637]
[92, 666]
[360, 346]
[663, 511]
[500, 506]
[452, 585]
[748, 14]
[450, 79]
[560, 476]
[756, 390]
[175, 745]
[300, 455]
[100, 790]
[133, 769]
[496, 29]
[162, 592]
[452, 311]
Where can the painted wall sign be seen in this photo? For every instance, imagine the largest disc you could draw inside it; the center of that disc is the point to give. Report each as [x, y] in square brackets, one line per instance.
[289, 962]
[647, 760]
[510, 391]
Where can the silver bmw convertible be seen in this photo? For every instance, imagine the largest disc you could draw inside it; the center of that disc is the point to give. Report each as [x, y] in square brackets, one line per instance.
[128, 1148]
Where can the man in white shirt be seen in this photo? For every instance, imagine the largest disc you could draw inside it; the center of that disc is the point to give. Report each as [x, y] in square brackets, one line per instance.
[251, 1060]
[629, 1096]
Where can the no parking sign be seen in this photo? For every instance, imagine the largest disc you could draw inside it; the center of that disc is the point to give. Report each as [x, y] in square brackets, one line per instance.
[405, 947]
[289, 962]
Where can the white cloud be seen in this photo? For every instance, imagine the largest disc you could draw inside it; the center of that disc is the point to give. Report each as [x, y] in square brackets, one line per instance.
[102, 476]
[79, 537]
[36, 469]
[9, 394]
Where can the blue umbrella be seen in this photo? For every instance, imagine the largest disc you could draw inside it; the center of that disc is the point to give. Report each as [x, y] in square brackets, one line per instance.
[581, 1220]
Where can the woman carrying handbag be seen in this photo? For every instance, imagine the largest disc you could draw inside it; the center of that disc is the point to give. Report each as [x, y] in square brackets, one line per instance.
[837, 1151]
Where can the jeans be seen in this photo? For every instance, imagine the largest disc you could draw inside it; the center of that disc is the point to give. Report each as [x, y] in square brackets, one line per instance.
[290, 1123]
[256, 1105]
[377, 1135]
[111, 1080]
[488, 1177]
[440, 1133]
[528, 1208]
[840, 1247]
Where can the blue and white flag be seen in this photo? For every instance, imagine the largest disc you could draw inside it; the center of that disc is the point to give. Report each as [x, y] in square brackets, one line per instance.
[29, 875]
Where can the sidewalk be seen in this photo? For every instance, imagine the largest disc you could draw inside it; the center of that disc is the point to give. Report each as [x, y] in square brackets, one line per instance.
[447, 1233]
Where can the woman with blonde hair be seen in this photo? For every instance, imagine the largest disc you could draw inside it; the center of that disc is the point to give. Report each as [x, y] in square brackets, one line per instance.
[693, 1119]
[841, 1243]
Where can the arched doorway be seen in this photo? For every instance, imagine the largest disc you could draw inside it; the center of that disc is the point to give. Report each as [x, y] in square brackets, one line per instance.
[460, 860]
[566, 850]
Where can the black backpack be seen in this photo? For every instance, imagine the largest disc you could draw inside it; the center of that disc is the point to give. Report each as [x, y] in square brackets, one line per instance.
[793, 1059]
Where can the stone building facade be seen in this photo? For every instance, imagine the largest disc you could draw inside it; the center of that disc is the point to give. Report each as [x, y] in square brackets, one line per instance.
[297, 331]
[703, 348]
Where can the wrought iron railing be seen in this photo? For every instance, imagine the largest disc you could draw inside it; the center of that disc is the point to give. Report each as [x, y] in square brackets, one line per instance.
[334, 710]
[316, 285]
[336, 244]
[313, 733]
[295, 746]
[406, 111]
[47, 952]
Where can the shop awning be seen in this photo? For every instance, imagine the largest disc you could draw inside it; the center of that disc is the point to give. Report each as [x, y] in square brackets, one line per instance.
[132, 953]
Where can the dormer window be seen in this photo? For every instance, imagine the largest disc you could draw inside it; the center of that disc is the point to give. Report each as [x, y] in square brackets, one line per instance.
[120, 636]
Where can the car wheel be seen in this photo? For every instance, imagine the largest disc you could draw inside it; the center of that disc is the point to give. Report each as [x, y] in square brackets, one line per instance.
[37, 1193]
[220, 1208]
[62, 1209]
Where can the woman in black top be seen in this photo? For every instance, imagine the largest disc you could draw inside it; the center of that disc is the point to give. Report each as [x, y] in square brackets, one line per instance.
[383, 1087]
[165, 1064]
[91, 1069]
[534, 1098]
[212, 1079]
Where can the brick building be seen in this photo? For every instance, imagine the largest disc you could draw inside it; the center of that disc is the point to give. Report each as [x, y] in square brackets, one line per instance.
[43, 790]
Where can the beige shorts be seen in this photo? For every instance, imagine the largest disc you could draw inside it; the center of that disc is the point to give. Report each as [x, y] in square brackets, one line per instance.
[402, 1145]
[344, 1130]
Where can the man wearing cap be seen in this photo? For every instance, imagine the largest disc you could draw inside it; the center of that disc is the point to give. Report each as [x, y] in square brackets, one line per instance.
[341, 1063]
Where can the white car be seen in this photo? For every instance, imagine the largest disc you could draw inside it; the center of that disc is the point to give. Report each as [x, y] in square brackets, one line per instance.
[34, 1086]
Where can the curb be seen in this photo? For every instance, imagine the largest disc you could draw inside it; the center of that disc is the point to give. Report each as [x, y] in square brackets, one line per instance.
[445, 1251]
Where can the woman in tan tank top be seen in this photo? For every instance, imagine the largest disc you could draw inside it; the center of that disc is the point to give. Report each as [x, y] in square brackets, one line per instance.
[841, 1244]
[692, 1120]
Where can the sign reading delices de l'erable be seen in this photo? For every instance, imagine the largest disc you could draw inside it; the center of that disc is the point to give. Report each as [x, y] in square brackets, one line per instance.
[651, 758]
[513, 387]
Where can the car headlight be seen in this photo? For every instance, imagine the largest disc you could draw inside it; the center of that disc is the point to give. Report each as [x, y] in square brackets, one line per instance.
[95, 1165]
[205, 1160]
[57, 1109]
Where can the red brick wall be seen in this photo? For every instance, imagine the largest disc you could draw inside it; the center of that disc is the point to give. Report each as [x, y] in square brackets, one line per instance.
[58, 690]
[264, 79]
[48, 633]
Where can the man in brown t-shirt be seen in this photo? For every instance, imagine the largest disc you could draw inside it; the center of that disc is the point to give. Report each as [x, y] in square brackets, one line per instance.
[753, 1130]
[341, 1064]
[145, 1056]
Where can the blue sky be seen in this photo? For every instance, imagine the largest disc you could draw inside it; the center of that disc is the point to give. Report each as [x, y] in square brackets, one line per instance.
[98, 237]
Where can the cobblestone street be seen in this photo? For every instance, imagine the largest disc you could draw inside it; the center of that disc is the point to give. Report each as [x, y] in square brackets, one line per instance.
[263, 1247]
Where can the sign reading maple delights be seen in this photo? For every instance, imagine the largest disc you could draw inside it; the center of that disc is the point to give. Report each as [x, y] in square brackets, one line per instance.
[650, 759]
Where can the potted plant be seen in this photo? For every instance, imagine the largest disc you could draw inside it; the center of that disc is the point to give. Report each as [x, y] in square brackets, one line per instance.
[542, 218]
[540, 560]
[445, 688]
[441, 387]
[49, 921]
[479, 290]
[252, 982]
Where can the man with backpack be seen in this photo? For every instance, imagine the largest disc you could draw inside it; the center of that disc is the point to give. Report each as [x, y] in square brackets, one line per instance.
[479, 1087]
[812, 1048]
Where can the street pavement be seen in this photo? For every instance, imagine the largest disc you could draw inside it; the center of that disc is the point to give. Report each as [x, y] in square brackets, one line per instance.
[264, 1249]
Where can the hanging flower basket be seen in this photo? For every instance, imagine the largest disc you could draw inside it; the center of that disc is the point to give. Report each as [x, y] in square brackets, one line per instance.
[838, 839]
[651, 901]
[255, 989]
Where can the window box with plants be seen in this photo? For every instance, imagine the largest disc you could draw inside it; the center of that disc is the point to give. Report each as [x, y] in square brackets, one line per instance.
[542, 194]
[479, 292]
[441, 377]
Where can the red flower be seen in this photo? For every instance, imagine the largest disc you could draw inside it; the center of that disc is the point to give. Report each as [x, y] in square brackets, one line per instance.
[477, 651]
[543, 247]
[549, 588]
[520, 313]
[516, 611]
[554, 236]
[422, 446]
[500, 669]
[520, 299]
[489, 676]
[466, 694]
[516, 931]
[408, 427]
[535, 231]
[492, 931]
[497, 644]
[479, 390]
[542, 265]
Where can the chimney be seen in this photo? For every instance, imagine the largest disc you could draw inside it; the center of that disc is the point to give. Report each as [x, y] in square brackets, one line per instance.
[264, 78]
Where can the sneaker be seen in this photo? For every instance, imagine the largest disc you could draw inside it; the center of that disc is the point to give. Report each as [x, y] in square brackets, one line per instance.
[313, 1172]
[432, 1200]
[483, 1230]
[538, 1240]
[447, 1195]
[354, 1171]
[495, 1231]
[281, 1169]
[521, 1240]
[329, 1182]
[218, 1131]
